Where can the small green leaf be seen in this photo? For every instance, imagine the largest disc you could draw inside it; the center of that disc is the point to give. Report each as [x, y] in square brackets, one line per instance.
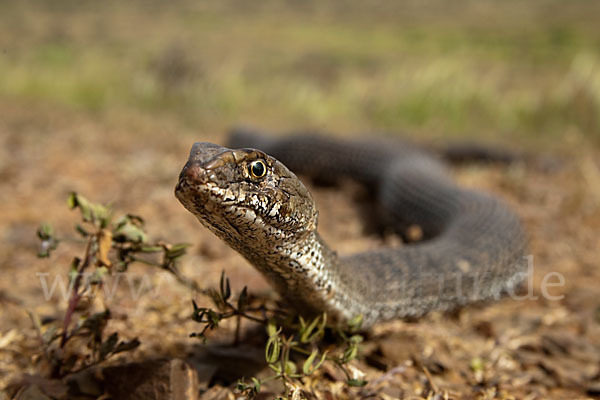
[151, 249]
[102, 215]
[96, 322]
[49, 243]
[350, 354]
[290, 368]
[205, 316]
[243, 299]
[256, 384]
[130, 233]
[308, 367]
[302, 323]
[271, 328]
[72, 200]
[45, 231]
[177, 250]
[224, 287]
[355, 323]
[74, 269]
[90, 212]
[81, 230]
[199, 314]
[308, 334]
[179, 246]
[98, 275]
[127, 346]
[356, 382]
[109, 345]
[356, 339]
[276, 368]
[477, 364]
[241, 385]
[75, 201]
[272, 349]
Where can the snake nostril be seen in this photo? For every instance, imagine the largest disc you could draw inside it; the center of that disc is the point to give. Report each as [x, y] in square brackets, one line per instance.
[191, 172]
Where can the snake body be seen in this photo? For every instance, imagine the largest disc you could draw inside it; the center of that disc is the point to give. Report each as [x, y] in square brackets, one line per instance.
[472, 249]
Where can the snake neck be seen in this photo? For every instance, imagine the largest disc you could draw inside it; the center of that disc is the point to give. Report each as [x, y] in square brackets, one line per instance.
[305, 274]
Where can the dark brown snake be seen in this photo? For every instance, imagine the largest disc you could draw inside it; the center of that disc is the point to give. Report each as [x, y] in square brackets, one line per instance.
[473, 245]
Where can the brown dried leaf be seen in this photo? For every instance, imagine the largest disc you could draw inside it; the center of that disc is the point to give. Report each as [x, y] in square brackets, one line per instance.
[104, 246]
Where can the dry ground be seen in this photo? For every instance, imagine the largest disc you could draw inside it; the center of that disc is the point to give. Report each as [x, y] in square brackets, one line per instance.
[106, 100]
[527, 349]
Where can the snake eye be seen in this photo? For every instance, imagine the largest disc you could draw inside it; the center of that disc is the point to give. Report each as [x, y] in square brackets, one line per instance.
[257, 169]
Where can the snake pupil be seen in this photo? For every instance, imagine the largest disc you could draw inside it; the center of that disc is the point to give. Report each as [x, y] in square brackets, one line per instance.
[258, 169]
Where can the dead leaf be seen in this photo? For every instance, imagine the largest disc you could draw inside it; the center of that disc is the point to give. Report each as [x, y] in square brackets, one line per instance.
[104, 246]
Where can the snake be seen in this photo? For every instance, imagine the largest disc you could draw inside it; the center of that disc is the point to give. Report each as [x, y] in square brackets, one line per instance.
[472, 244]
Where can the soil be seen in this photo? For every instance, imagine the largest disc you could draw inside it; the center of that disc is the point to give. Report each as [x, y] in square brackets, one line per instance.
[544, 346]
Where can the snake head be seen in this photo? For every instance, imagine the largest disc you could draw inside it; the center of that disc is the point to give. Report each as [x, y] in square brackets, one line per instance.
[245, 196]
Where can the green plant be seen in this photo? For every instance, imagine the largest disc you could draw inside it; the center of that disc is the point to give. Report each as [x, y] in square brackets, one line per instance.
[295, 348]
[111, 245]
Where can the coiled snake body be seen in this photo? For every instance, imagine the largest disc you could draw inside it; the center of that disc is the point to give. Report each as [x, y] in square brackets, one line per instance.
[473, 243]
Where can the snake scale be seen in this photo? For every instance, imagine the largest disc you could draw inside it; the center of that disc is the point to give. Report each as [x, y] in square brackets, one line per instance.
[472, 249]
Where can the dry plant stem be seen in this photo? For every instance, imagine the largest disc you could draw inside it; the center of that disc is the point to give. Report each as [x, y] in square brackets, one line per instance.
[430, 380]
[244, 314]
[75, 296]
[38, 330]
[190, 284]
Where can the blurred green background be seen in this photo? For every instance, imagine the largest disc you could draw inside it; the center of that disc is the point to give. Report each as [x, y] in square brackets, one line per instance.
[504, 70]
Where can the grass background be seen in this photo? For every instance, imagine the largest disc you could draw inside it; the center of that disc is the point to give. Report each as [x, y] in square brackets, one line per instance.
[505, 71]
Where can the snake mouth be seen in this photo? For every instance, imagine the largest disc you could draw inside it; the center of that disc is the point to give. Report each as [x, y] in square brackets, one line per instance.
[200, 187]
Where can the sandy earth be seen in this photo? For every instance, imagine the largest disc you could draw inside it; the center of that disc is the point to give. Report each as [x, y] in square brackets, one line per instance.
[530, 349]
